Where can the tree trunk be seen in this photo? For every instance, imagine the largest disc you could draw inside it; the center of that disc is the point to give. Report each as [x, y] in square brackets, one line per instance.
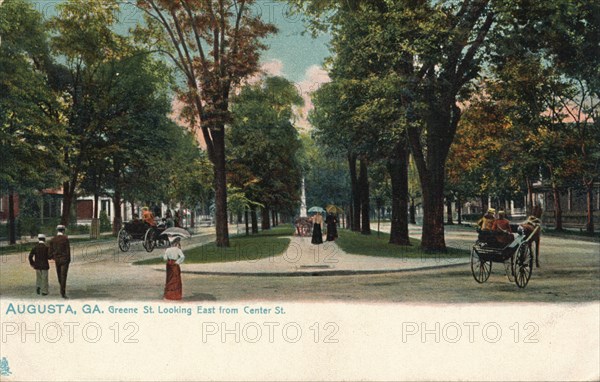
[459, 210]
[274, 218]
[96, 197]
[254, 219]
[484, 203]
[432, 238]
[68, 195]
[398, 170]
[449, 212]
[355, 225]
[529, 206]
[265, 223]
[117, 220]
[363, 180]
[378, 222]
[413, 211]
[347, 220]
[246, 222]
[12, 225]
[589, 225]
[557, 208]
[221, 226]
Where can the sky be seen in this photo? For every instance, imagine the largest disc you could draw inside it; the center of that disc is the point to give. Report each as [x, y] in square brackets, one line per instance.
[292, 53]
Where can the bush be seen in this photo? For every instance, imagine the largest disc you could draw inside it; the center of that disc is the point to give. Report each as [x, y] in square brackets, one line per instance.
[105, 225]
[29, 226]
[471, 217]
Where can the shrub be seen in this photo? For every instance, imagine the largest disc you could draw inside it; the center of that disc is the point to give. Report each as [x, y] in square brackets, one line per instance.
[105, 225]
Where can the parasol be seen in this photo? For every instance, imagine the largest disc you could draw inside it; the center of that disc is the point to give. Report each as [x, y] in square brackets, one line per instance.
[316, 209]
[176, 231]
[332, 208]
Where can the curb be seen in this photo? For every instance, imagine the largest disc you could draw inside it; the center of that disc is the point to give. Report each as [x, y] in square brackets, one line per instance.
[318, 273]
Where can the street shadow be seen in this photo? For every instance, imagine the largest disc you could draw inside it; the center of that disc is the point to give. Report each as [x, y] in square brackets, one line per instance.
[200, 297]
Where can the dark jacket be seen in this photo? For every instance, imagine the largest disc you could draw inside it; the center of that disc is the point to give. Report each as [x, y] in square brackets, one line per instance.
[38, 257]
[60, 249]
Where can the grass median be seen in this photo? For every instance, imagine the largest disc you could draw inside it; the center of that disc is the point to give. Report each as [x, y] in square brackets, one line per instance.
[269, 243]
[378, 245]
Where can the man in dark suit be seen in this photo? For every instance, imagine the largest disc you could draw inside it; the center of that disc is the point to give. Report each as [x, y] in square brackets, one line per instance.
[60, 251]
[38, 259]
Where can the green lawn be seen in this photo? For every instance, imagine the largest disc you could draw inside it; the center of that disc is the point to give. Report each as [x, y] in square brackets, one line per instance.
[242, 248]
[358, 244]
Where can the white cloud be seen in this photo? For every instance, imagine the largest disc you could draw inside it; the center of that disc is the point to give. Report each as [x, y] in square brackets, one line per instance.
[314, 77]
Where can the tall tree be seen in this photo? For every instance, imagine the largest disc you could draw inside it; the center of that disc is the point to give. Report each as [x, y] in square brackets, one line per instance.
[30, 121]
[215, 44]
[84, 40]
[264, 160]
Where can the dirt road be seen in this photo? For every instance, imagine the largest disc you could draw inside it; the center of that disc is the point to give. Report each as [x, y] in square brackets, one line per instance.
[570, 272]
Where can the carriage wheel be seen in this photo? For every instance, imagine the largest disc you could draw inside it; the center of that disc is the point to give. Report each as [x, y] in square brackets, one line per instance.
[149, 242]
[523, 266]
[481, 269]
[164, 241]
[124, 240]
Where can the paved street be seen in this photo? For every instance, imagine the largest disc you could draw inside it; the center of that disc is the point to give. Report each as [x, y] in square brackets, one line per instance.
[570, 272]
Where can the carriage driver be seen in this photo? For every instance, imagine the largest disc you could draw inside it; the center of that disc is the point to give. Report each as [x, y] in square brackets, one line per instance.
[502, 227]
[148, 216]
[501, 224]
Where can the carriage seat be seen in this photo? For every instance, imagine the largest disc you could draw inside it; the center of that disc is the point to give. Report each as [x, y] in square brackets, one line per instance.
[495, 239]
[136, 226]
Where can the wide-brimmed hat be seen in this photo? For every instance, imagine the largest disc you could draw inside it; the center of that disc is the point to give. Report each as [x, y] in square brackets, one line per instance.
[41, 236]
[175, 240]
[533, 219]
[60, 227]
[491, 210]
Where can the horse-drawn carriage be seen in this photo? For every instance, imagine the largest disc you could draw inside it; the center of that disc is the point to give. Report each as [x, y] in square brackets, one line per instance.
[138, 230]
[516, 255]
[303, 226]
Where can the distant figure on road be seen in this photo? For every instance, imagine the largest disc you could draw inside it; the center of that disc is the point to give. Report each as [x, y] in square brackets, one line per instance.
[60, 251]
[174, 257]
[177, 219]
[317, 233]
[331, 222]
[38, 259]
[169, 219]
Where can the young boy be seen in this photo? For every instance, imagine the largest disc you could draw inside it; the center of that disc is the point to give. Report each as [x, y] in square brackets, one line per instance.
[38, 259]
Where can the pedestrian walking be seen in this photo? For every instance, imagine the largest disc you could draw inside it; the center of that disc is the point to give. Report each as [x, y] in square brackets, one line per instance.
[60, 251]
[331, 221]
[174, 257]
[317, 233]
[38, 259]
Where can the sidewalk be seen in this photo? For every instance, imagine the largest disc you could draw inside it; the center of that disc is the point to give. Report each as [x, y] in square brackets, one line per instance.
[305, 259]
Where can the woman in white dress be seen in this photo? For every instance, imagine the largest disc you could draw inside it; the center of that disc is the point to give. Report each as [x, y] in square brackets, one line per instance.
[174, 257]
